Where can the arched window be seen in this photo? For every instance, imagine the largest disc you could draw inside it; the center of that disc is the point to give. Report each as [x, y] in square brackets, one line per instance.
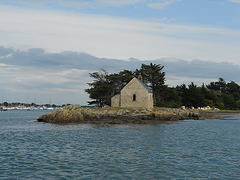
[134, 97]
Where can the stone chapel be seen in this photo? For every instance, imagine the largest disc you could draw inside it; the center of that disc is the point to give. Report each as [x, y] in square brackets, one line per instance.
[134, 94]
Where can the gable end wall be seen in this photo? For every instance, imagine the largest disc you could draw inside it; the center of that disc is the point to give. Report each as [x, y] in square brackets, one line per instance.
[144, 98]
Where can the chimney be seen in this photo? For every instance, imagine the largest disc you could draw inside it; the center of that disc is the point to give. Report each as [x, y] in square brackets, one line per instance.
[140, 77]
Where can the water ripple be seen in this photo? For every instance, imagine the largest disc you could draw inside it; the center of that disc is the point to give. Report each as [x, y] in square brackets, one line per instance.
[207, 149]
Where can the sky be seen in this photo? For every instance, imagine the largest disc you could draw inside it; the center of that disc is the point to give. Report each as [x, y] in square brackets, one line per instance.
[48, 48]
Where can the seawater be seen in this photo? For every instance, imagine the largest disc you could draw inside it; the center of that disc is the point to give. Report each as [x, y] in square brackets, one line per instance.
[203, 149]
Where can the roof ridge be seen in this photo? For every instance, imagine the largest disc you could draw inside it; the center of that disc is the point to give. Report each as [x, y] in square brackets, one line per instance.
[144, 85]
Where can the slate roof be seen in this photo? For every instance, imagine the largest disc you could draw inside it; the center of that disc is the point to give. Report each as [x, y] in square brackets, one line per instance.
[145, 86]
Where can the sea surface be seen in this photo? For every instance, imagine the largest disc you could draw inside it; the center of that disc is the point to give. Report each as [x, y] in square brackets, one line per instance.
[191, 149]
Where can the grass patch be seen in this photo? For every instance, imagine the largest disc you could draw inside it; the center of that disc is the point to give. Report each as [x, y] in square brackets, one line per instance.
[120, 108]
[220, 111]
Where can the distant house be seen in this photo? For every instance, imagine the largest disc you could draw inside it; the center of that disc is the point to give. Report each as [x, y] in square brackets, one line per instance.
[134, 94]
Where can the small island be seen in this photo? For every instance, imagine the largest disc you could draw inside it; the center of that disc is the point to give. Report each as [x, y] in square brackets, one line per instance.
[117, 115]
[141, 97]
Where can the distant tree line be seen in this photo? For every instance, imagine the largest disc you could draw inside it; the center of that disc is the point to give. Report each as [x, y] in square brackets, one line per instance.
[219, 94]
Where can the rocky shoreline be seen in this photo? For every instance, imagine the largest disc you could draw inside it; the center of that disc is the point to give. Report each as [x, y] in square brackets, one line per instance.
[77, 114]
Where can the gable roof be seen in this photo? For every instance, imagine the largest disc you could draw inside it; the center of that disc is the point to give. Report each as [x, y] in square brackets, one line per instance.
[144, 85]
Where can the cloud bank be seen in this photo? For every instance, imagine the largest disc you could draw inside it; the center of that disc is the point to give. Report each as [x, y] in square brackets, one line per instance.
[37, 75]
[49, 47]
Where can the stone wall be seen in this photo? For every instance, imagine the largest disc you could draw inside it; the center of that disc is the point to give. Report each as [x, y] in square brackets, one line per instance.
[115, 101]
[143, 98]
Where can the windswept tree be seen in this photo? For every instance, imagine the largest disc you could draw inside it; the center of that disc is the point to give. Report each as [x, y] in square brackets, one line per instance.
[118, 80]
[234, 89]
[106, 85]
[220, 94]
[211, 97]
[219, 86]
[195, 95]
[152, 75]
[99, 88]
[184, 95]
[228, 93]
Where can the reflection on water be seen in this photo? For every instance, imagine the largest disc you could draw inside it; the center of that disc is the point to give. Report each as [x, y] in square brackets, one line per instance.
[188, 149]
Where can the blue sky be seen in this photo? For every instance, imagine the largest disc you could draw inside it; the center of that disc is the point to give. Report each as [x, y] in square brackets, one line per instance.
[75, 35]
[220, 13]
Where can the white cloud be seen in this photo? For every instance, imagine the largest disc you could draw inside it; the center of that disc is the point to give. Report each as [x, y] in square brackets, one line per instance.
[173, 80]
[222, 3]
[234, 1]
[115, 37]
[64, 76]
[160, 4]
[118, 2]
[3, 65]
[63, 86]
[79, 3]
[163, 19]
[64, 3]
[37, 74]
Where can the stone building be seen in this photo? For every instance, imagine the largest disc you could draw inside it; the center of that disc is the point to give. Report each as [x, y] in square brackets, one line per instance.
[134, 94]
